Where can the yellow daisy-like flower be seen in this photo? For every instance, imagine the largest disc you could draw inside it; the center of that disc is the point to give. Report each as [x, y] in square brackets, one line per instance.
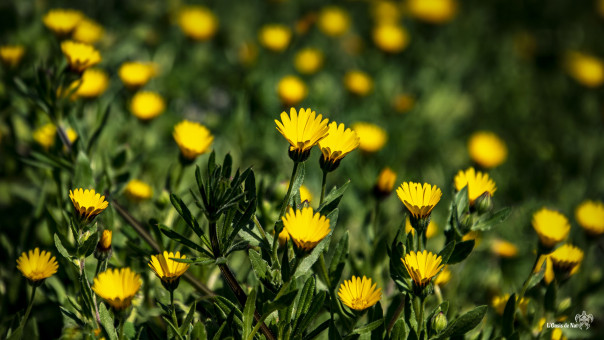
[590, 215]
[585, 69]
[136, 74]
[291, 90]
[499, 303]
[303, 130]
[198, 23]
[385, 182]
[92, 84]
[11, 55]
[359, 294]
[308, 60]
[372, 138]
[422, 266]
[88, 32]
[87, 203]
[551, 226]
[333, 21]
[443, 277]
[275, 37]
[431, 231]
[305, 228]
[390, 37]
[80, 56]
[137, 190]
[146, 105]
[192, 138]
[567, 257]
[45, 135]
[37, 266]
[477, 183]
[358, 82]
[403, 103]
[503, 248]
[117, 287]
[433, 11]
[338, 143]
[419, 200]
[549, 268]
[62, 21]
[166, 269]
[487, 149]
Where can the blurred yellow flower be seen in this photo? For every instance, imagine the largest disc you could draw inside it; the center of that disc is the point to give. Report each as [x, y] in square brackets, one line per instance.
[45, 135]
[359, 294]
[80, 56]
[36, 265]
[419, 200]
[11, 55]
[146, 105]
[390, 37]
[358, 82]
[372, 138]
[193, 139]
[72, 135]
[166, 269]
[91, 85]
[499, 303]
[422, 266]
[305, 194]
[477, 182]
[549, 268]
[136, 74]
[586, 69]
[443, 277]
[137, 190]
[105, 241]
[303, 130]
[590, 215]
[567, 257]
[291, 90]
[87, 31]
[338, 143]
[487, 149]
[62, 21]
[385, 11]
[87, 203]
[117, 287]
[403, 103]
[558, 334]
[551, 226]
[503, 248]
[305, 228]
[198, 22]
[308, 60]
[275, 37]
[431, 231]
[385, 182]
[333, 21]
[432, 11]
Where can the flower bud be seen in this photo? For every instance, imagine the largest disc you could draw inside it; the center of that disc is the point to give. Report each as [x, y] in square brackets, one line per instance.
[103, 247]
[466, 222]
[385, 183]
[439, 322]
[484, 203]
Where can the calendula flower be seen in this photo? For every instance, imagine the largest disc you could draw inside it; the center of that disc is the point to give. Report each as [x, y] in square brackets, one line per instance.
[358, 82]
[45, 135]
[275, 37]
[305, 194]
[551, 226]
[478, 183]
[333, 21]
[433, 11]
[80, 56]
[590, 215]
[146, 105]
[88, 32]
[558, 334]
[443, 277]
[585, 69]
[168, 270]
[103, 247]
[72, 135]
[198, 22]
[11, 55]
[359, 294]
[549, 268]
[431, 231]
[137, 190]
[567, 258]
[303, 130]
[87, 203]
[91, 85]
[62, 21]
[305, 228]
[136, 74]
[338, 143]
[503, 248]
[499, 303]
[372, 138]
[192, 138]
[37, 266]
[487, 149]
[422, 266]
[403, 103]
[291, 90]
[117, 287]
[308, 60]
[385, 183]
[390, 37]
[419, 200]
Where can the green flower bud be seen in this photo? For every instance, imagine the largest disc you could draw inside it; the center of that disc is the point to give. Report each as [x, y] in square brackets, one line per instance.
[439, 322]
[484, 203]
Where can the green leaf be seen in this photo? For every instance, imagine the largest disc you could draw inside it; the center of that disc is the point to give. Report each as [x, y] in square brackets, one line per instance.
[186, 215]
[259, 266]
[509, 313]
[285, 266]
[399, 330]
[549, 302]
[313, 310]
[248, 313]
[489, 221]
[306, 264]
[97, 132]
[199, 332]
[107, 322]
[535, 278]
[218, 334]
[61, 249]
[367, 328]
[461, 251]
[464, 323]
[89, 245]
[305, 299]
[188, 319]
[183, 240]
[72, 316]
[447, 251]
[332, 199]
[83, 172]
[338, 260]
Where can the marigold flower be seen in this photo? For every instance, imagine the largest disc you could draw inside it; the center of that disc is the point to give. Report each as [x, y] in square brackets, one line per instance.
[419, 200]
[197, 22]
[551, 226]
[431, 231]
[291, 90]
[308, 60]
[477, 183]
[146, 105]
[87, 203]
[487, 149]
[585, 69]
[358, 82]
[385, 183]
[567, 257]
[338, 143]
[422, 266]
[372, 138]
[275, 37]
[88, 32]
[590, 215]
[549, 268]
[136, 74]
[443, 277]
[117, 287]
[390, 37]
[359, 294]
[80, 56]
[91, 85]
[45, 135]
[303, 130]
[305, 228]
[167, 269]
[192, 138]
[62, 21]
[433, 11]
[137, 190]
[503, 248]
[499, 303]
[37, 266]
[403, 103]
[333, 21]
[11, 55]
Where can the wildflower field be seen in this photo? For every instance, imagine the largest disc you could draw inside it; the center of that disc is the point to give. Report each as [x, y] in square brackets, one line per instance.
[416, 169]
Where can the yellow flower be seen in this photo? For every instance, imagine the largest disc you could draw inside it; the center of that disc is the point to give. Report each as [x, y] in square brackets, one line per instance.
[358, 82]
[72, 135]
[136, 74]
[88, 32]
[551, 226]
[431, 231]
[359, 294]
[486, 149]
[385, 182]
[403, 103]
[558, 334]
[390, 37]
[92, 84]
[275, 37]
[386, 11]
[36, 265]
[291, 90]
[80, 56]
[147, 105]
[62, 21]
[419, 200]
[503, 248]
[333, 21]
[586, 69]
[590, 215]
[137, 190]
[567, 257]
[45, 135]
[443, 277]
[198, 22]
[166, 269]
[117, 287]
[303, 130]
[549, 268]
[105, 241]
[499, 303]
[473, 235]
[477, 183]
[305, 194]
[433, 11]
[338, 143]
[11, 55]
[88, 204]
[304, 228]
[372, 138]
[192, 138]
[308, 60]
[422, 266]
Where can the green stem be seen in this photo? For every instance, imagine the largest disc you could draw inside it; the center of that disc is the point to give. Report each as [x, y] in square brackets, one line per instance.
[418, 304]
[289, 190]
[31, 303]
[121, 328]
[323, 185]
[528, 279]
[172, 309]
[396, 314]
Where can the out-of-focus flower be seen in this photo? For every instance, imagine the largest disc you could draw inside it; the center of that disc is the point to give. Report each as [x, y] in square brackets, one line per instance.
[359, 294]
[339, 142]
[487, 149]
[503, 248]
[590, 215]
[291, 90]
[432, 11]
[385, 11]
[477, 183]
[303, 130]
[45, 135]
[308, 60]
[567, 258]
[80, 56]
[372, 138]
[62, 21]
[390, 37]
[87, 31]
[305, 194]
[551, 226]
[193, 139]
[91, 85]
[37, 266]
[385, 183]
[558, 334]
[275, 37]
[419, 199]
[358, 82]
[403, 103]
[137, 190]
[333, 21]
[422, 266]
[431, 231]
[105, 241]
[549, 268]
[305, 228]
[198, 22]
[444, 276]
[136, 74]
[168, 270]
[147, 105]
[588, 70]
[117, 287]
[304, 24]
[72, 135]
[103, 247]
[87, 203]
[11, 55]
[499, 303]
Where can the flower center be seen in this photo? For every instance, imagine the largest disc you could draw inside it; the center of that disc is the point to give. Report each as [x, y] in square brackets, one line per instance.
[359, 303]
